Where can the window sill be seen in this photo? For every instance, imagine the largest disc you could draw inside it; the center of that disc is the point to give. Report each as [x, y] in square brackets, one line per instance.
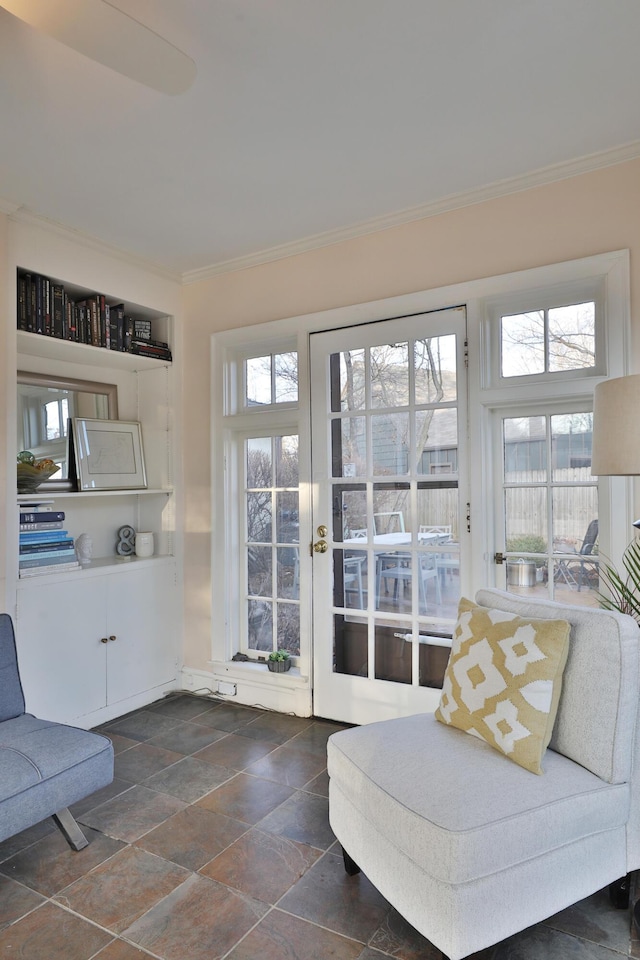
[254, 671]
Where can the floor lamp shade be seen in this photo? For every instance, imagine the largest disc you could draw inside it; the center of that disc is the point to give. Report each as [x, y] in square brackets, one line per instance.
[616, 427]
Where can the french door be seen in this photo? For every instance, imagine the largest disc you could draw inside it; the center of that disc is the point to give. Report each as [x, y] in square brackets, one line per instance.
[391, 546]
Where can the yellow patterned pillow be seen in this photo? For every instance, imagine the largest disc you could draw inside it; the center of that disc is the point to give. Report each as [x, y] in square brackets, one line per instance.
[503, 680]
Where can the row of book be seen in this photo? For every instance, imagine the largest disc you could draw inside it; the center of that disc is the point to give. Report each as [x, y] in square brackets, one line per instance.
[44, 307]
[45, 547]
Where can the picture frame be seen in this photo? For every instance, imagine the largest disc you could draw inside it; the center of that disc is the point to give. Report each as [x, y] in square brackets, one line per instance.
[108, 454]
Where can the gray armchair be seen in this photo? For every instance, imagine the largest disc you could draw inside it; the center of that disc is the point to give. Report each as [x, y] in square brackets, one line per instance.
[44, 767]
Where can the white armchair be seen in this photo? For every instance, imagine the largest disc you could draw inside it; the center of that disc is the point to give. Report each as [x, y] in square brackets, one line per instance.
[468, 846]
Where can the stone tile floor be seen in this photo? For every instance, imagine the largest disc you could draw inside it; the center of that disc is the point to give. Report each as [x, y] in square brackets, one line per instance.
[213, 842]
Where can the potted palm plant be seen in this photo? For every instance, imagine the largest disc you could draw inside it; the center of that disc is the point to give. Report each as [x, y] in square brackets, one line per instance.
[623, 591]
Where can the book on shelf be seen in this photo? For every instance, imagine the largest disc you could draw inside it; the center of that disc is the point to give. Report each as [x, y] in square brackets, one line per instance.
[45, 559]
[144, 349]
[57, 311]
[49, 546]
[45, 307]
[41, 516]
[41, 526]
[23, 573]
[43, 536]
[24, 295]
[142, 329]
[116, 325]
[47, 550]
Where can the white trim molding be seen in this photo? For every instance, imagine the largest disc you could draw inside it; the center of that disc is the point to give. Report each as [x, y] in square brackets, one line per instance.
[500, 188]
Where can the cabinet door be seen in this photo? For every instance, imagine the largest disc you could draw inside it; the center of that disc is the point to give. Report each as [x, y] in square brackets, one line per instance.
[61, 658]
[141, 615]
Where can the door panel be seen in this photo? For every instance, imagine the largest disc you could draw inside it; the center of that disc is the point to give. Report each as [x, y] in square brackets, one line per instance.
[388, 456]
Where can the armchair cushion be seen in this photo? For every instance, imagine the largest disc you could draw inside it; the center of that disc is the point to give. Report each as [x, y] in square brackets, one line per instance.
[452, 804]
[503, 680]
[45, 767]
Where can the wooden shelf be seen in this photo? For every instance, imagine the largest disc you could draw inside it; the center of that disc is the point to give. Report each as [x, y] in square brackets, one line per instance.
[52, 348]
[98, 567]
[49, 496]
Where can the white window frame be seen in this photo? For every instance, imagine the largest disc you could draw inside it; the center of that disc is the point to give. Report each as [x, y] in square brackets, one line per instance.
[524, 301]
[609, 273]
[237, 441]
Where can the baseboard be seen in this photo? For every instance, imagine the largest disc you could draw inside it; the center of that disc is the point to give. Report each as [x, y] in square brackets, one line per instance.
[252, 686]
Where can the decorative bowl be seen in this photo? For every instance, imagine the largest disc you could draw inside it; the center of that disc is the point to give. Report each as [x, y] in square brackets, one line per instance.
[279, 666]
[30, 477]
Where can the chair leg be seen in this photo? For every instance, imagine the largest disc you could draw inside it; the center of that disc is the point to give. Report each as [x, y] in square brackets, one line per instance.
[350, 865]
[620, 892]
[70, 829]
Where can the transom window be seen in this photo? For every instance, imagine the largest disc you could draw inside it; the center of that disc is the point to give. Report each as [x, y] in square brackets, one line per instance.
[550, 340]
[271, 378]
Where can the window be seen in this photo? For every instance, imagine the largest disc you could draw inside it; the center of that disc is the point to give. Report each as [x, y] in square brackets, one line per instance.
[539, 340]
[56, 414]
[550, 340]
[272, 378]
[272, 544]
[551, 506]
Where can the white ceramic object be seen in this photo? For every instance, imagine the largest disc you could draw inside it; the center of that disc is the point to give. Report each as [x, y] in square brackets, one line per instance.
[144, 544]
[84, 548]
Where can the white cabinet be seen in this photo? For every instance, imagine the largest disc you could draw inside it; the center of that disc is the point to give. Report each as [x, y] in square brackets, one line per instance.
[96, 645]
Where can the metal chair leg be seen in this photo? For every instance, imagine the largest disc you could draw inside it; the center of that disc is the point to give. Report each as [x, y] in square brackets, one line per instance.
[70, 829]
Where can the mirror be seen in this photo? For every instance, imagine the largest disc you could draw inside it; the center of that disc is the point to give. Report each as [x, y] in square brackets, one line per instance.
[44, 406]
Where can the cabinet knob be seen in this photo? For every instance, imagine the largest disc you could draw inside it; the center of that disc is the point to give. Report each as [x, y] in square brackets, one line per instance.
[112, 637]
[104, 640]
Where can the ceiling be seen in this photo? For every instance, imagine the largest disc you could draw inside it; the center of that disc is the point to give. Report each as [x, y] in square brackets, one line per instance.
[311, 119]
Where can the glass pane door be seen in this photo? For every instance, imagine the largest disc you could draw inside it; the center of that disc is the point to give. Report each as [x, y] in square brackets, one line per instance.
[387, 450]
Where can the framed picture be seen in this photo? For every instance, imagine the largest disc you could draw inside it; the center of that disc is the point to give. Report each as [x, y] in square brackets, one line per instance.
[108, 454]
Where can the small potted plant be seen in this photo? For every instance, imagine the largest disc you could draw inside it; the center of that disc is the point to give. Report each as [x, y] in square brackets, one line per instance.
[279, 662]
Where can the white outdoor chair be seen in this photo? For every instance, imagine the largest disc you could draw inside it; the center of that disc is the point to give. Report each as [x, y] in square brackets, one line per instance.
[440, 528]
[398, 568]
[352, 578]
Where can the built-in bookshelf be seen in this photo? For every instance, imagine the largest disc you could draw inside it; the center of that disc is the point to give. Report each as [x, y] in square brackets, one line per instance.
[50, 308]
[63, 616]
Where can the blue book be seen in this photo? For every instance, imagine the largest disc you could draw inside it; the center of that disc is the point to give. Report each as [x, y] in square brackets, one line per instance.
[29, 548]
[29, 559]
[41, 536]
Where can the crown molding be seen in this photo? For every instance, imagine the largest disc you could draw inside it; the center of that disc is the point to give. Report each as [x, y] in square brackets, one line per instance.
[500, 188]
[23, 215]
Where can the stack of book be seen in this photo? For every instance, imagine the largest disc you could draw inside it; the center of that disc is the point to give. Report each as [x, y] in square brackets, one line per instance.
[45, 307]
[44, 546]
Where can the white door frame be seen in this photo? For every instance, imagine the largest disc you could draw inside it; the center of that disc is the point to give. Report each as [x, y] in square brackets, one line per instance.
[345, 696]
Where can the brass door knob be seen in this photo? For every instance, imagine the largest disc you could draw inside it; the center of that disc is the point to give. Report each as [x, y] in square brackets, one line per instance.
[104, 640]
[320, 546]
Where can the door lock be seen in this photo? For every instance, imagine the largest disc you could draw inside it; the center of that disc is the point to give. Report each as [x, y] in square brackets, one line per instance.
[320, 546]
[322, 530]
